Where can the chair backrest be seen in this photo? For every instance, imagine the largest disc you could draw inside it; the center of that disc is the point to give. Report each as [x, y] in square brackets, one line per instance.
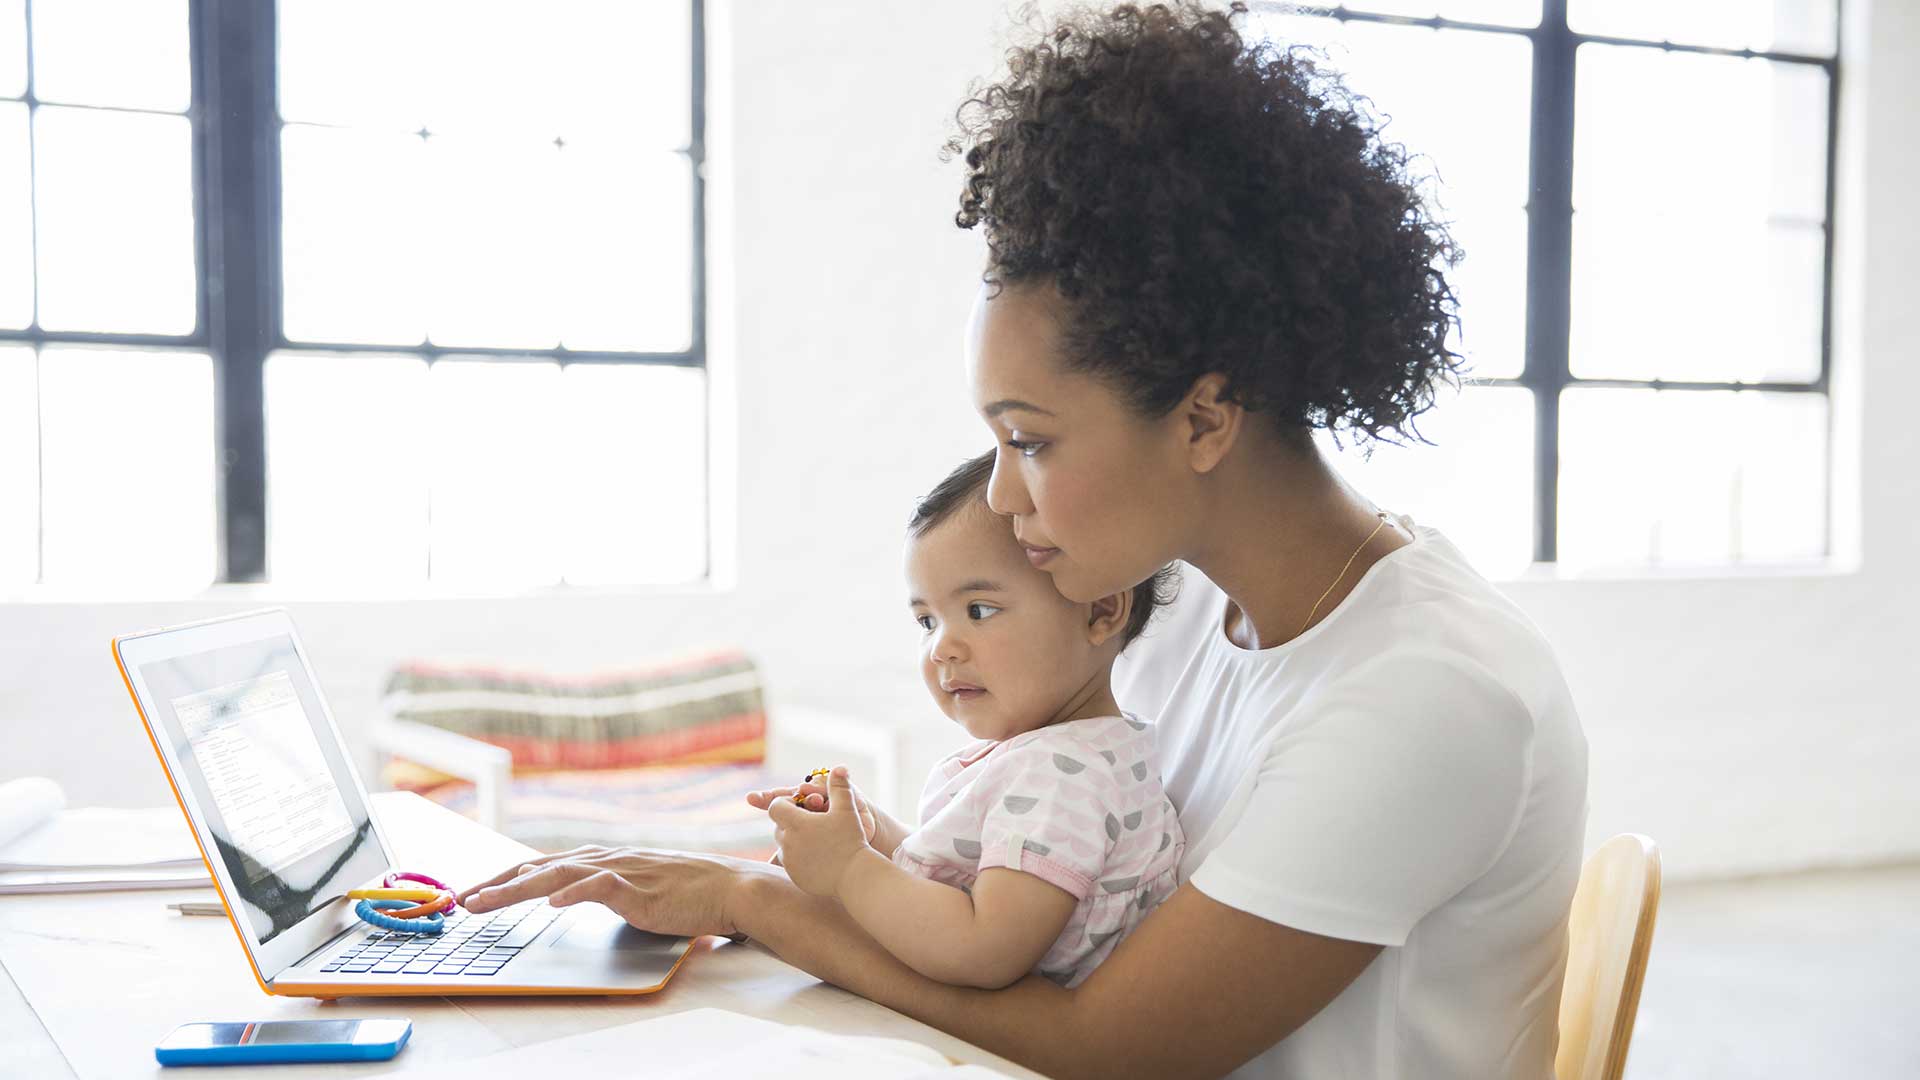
[1609, 933]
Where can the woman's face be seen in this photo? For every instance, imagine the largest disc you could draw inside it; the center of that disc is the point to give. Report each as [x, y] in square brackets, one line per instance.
[1096, 491]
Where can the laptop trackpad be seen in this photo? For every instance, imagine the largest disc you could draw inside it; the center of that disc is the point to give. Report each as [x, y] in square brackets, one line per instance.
[598, 929]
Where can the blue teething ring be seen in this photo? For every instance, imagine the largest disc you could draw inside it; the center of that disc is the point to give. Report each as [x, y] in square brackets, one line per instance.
[369, 911]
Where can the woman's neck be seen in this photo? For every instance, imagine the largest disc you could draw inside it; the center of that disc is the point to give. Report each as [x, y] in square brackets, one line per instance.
[1280, 526]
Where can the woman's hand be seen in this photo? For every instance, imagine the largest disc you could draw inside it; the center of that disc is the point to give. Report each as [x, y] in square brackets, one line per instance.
[684, 894]
[816, 847]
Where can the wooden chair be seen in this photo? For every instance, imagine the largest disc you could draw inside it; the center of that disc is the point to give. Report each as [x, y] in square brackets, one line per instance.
[1609, 934]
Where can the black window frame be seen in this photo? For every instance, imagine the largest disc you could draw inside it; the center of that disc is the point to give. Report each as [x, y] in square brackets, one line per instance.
[1547, 371]
[236, 125]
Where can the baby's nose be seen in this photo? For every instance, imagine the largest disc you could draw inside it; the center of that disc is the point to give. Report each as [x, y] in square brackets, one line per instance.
[949, 647]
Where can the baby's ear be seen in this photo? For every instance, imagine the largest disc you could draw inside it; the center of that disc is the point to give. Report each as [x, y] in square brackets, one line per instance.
[1107, 616]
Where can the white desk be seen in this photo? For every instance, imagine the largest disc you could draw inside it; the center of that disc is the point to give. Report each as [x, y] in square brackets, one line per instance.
[94, 980]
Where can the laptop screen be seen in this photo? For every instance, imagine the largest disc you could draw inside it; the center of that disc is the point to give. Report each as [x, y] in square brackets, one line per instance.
[286, 816]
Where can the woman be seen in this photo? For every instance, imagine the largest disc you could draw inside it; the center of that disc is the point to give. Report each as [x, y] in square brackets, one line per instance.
[1199, 253]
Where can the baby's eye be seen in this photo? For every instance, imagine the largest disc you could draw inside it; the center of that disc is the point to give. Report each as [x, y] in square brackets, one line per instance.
[974, 611]
[925, 621]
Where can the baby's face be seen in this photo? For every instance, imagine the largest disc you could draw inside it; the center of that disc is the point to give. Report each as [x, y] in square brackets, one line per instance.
[1001, 650]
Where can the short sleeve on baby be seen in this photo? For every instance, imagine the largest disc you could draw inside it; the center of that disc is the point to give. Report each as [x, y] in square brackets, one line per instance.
[1069, 810]
[1078, 805]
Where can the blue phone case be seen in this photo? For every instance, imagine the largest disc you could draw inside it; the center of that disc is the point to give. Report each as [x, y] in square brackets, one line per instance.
[267, 1053]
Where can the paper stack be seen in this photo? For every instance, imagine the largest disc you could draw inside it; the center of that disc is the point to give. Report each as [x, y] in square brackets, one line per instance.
[45, 847]
[710, 1044]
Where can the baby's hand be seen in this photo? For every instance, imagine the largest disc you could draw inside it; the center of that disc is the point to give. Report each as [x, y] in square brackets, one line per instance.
[813, 796]
[816, 847]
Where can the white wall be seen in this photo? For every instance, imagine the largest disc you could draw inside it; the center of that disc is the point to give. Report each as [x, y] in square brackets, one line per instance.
[1748, 723]
[1764, 722]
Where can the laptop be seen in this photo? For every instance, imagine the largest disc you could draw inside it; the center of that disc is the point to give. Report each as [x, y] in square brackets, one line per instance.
[255, 760]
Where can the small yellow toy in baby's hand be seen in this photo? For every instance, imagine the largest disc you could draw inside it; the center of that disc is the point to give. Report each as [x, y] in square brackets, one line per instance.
[817, 776]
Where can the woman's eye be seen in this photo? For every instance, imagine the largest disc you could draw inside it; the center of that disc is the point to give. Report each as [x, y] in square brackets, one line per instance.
[975, 609]
[1023, 448]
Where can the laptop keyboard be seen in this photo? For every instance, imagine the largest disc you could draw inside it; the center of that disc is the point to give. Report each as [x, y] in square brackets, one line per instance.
[470, 945]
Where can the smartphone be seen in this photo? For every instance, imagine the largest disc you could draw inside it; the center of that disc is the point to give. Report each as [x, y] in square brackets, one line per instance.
[264, 1041]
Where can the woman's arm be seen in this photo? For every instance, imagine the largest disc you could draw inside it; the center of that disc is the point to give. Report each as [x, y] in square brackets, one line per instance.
[1196, 990]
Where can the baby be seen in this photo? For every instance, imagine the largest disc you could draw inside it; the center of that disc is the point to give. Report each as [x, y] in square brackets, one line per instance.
[1048, 838]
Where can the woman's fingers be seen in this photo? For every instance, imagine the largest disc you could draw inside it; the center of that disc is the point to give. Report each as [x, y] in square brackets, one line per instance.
[501, 878]
[534, 881]
[519, 883]
[602, 886]
[584, 851]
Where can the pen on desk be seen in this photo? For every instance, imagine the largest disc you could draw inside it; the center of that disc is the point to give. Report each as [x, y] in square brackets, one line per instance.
[198, 907]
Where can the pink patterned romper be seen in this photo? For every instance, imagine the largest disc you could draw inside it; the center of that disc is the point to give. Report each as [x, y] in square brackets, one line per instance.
[1076, 804]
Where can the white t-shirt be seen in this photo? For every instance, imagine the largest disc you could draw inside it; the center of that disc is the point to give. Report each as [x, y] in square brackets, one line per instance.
[1409, 772]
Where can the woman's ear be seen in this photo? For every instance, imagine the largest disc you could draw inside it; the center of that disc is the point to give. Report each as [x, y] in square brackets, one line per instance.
[1209, 422]
[1108, 617]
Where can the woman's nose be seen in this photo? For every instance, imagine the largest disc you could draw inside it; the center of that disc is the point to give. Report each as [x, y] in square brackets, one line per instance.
[1005, 493]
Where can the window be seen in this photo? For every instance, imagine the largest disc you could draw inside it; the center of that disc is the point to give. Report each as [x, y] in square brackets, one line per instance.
[351, 294]
[1644, 192]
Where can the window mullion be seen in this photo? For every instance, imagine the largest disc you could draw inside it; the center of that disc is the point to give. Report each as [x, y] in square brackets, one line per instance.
[237, 143]
[1826, 267]
[1549, 261]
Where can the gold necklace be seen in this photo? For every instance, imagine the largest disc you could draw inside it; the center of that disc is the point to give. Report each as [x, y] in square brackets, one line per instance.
[1343, 571]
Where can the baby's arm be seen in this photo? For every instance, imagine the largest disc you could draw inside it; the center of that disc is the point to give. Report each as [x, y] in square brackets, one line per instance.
[987, 940]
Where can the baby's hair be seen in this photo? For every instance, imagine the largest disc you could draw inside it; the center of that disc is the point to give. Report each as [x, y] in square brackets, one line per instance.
[967, 485]
[958, 489]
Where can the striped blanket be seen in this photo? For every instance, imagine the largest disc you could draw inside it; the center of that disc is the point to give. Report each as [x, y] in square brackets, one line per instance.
[660, 755]
[700, 708]
[687, 808]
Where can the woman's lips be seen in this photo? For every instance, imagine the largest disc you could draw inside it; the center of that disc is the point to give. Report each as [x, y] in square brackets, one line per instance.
[1041, 556]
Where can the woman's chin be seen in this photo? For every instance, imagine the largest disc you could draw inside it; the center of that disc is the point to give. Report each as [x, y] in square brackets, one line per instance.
[1076, 584]
[1065, 579]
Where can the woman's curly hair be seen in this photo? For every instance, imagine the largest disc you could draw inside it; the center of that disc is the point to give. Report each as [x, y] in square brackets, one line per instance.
[1205, 203]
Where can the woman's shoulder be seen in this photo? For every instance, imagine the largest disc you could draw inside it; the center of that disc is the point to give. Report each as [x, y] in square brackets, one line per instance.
[1422, 634]
[1434, 611]
[1421, 605]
